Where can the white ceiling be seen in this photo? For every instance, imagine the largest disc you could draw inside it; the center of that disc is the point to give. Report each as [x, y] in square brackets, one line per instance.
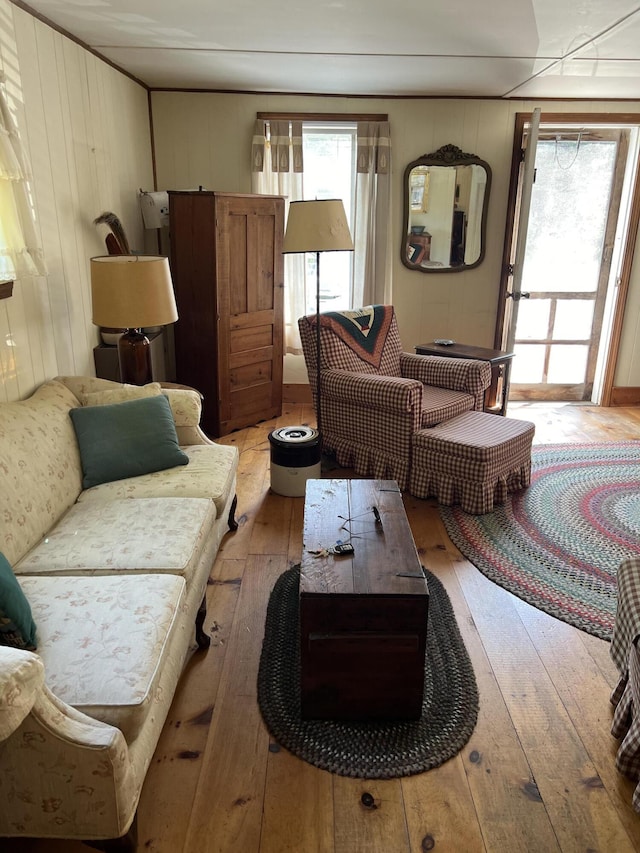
[483, 48]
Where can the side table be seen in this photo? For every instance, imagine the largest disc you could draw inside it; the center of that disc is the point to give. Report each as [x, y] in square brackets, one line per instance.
[497, 394]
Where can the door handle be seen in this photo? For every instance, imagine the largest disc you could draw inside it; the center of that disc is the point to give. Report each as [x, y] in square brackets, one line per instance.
[521, 294]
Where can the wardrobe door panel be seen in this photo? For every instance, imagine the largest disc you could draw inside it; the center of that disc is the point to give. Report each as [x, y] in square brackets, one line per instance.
[250, 263]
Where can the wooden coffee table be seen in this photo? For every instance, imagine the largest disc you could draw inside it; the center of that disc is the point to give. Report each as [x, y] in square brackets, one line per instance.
[363, 617]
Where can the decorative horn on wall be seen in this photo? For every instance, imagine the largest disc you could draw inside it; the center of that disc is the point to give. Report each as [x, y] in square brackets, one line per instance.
[116, 241]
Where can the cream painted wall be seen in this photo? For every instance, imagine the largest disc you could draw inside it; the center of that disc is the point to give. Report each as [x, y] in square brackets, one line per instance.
[86, 128]
[204, 139]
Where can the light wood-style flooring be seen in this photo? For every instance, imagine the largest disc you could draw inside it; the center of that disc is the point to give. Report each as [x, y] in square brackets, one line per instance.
[537, 775]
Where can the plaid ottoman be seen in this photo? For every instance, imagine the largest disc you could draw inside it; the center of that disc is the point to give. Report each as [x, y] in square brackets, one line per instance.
[475, 460]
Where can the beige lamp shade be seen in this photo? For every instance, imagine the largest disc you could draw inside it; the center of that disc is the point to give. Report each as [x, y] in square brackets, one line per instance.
[132, 291]
[317, 226]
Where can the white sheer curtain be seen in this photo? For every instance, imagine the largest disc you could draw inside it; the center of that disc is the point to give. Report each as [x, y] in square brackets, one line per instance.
[20, 254]
[372, 229]
[276, 169]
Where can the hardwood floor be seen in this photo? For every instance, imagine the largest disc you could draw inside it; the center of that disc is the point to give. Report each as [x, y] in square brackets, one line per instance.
[538, 773]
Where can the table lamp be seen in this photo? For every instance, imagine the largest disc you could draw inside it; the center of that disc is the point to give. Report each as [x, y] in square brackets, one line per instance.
[317, 226]
[131, 292]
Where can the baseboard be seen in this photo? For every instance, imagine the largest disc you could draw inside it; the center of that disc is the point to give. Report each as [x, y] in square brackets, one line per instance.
[625, 396]
[296, 393]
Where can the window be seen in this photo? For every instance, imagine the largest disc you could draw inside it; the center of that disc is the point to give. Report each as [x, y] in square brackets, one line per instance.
[304, 157]
[329, 151]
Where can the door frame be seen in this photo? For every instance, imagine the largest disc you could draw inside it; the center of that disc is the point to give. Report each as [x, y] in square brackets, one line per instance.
[615, 120]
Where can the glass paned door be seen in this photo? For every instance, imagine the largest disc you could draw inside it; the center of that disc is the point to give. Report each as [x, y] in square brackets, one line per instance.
[574, 209]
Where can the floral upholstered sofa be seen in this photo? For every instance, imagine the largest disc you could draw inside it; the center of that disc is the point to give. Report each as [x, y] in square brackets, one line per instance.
[112, 559]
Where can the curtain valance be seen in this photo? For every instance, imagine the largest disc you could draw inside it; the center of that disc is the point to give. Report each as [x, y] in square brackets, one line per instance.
[283, 140]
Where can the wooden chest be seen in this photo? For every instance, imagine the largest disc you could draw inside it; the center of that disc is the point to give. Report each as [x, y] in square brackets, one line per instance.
[363, 617]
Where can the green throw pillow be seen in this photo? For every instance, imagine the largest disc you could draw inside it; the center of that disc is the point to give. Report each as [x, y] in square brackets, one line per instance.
[126, 440]
[17, 627]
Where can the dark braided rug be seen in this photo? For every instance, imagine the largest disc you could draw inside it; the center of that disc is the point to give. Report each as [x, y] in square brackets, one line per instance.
[372, 750]
[558, 544]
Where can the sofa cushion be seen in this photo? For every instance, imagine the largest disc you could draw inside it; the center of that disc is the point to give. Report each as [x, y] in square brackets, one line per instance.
[209, 474]
[120, 394]
[185, 403]
[105, 641]
[40, 472]
[126, 439]
[146, 535]
[17, 627]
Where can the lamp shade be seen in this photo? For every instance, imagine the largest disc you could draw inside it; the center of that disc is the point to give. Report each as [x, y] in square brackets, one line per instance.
[317, 226]
[132, 291]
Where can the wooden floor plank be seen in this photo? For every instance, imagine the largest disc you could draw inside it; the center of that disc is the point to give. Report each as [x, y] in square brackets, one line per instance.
[226, 814]
[169, 788]
[440, 811]
[295, 537]
[367, 814]
[511, 814]
[579, 806]
[298, 806]
[271, 526]
[585, 695]
[251, 480]
[600, 652]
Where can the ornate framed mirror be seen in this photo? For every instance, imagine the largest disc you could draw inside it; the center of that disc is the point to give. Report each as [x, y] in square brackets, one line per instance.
[446, 195]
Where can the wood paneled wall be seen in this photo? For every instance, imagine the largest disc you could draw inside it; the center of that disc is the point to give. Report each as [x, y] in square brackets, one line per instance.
[86, 127]
[204, 138]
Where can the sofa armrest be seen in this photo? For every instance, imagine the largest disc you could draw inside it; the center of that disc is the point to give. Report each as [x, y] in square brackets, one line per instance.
[384, 393]
[65, 774]
[21, 679]
[186, 407]
[457, 374]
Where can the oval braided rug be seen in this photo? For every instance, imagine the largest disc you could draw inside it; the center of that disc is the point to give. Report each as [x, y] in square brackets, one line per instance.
[558, 544]
[372, 750]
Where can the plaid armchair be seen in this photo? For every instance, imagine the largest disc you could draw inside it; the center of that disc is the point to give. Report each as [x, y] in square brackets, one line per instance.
[375, 397]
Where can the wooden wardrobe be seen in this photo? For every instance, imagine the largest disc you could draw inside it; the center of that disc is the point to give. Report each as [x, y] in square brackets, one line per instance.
[228, 276]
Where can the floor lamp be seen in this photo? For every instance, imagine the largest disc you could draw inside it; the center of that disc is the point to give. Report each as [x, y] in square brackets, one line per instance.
[131, 292]
[317, 226]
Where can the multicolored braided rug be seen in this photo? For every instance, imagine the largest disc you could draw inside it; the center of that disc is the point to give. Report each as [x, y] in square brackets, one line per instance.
[558, 544]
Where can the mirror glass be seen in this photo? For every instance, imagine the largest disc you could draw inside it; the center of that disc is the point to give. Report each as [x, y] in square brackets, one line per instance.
[445, 207]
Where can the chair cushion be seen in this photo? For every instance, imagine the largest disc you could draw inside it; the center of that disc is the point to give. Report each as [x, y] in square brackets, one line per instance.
[17, 627]
[103, 537]
[126, 439]
[209, 474]
[442, 404]
[105, 641]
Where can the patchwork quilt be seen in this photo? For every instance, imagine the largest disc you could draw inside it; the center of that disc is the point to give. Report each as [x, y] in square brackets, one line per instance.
[364, 331]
